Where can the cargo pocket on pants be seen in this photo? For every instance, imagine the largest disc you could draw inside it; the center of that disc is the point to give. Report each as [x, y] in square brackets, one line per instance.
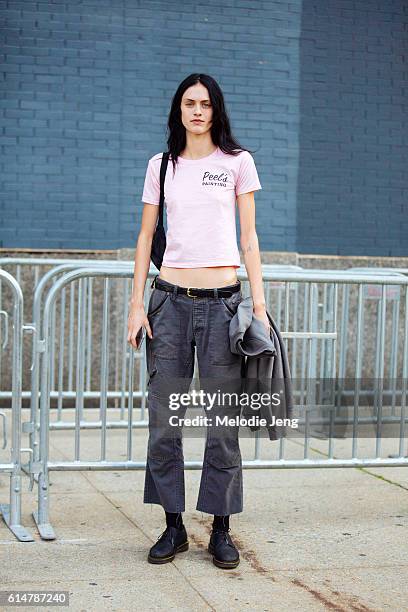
[223, 310]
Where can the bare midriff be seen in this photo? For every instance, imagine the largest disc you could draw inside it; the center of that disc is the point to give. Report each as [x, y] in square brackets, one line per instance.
[200, 278]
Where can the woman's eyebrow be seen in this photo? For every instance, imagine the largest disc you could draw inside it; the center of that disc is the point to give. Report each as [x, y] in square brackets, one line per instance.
[190, 100]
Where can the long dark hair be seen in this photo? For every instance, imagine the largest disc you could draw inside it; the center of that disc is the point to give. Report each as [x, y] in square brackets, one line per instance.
[220, 129]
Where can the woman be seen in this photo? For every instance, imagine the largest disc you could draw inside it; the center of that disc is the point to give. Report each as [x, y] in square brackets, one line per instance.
[194, 298]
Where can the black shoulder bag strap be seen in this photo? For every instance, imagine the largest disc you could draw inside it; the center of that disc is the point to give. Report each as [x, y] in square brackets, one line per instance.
[159, 238]
[163, 169]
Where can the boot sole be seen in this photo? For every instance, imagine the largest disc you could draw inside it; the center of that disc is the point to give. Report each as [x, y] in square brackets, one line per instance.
[222, 564]
[158, 560]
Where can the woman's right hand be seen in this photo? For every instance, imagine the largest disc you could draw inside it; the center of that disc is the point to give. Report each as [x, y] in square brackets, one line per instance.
[136, 320]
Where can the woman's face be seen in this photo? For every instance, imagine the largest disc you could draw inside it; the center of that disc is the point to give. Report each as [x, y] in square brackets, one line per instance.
[196, 105]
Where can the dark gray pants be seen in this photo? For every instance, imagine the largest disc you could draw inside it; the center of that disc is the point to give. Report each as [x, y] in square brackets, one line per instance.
[180, 326]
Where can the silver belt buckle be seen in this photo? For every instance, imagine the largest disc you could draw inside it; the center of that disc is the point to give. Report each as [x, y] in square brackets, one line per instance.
[188, 290]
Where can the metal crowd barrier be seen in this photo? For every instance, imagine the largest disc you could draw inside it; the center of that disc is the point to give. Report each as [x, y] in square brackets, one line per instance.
[32, 275]
[308, 300]
[11, 512]
[305, 297]
[373, 293]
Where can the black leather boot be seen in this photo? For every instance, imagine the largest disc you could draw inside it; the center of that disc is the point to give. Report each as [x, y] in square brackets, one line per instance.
[170, 542]
[223, 549]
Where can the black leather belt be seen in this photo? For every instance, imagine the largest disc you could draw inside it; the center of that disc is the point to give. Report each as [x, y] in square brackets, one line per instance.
[193, 292]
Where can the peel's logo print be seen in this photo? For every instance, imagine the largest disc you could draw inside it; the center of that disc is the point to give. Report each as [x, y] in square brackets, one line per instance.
[215, 180]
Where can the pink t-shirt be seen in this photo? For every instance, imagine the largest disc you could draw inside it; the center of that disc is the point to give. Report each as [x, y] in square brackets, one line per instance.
[200, 206]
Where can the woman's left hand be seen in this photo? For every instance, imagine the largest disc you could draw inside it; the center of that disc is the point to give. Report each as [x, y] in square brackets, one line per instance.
[262, 316]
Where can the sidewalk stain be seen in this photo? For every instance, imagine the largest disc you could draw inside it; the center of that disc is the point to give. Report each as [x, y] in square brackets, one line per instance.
[199, 543]
[248, 555]
[349, 602]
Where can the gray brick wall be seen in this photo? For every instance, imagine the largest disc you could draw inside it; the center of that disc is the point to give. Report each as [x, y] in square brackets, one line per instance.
[316, 89]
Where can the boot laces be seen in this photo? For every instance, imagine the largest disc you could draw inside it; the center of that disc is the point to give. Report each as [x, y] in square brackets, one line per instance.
[225, 533]
[164, 532]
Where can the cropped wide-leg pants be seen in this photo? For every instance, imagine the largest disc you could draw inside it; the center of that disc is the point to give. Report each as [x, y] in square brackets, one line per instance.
[183, 327]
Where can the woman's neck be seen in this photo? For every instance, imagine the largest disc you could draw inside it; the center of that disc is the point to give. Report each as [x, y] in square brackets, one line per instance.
[197, 150]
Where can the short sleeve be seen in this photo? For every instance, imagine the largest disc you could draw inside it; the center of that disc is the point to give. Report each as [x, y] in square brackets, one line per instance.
[151, 189]
[247, 179]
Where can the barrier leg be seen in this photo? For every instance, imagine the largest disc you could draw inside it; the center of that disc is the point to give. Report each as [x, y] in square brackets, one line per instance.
[12, 512]
[41, 517]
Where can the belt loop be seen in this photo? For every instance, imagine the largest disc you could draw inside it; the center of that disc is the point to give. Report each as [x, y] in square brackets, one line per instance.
[153, 283]
[175, 291]
[215, 292]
